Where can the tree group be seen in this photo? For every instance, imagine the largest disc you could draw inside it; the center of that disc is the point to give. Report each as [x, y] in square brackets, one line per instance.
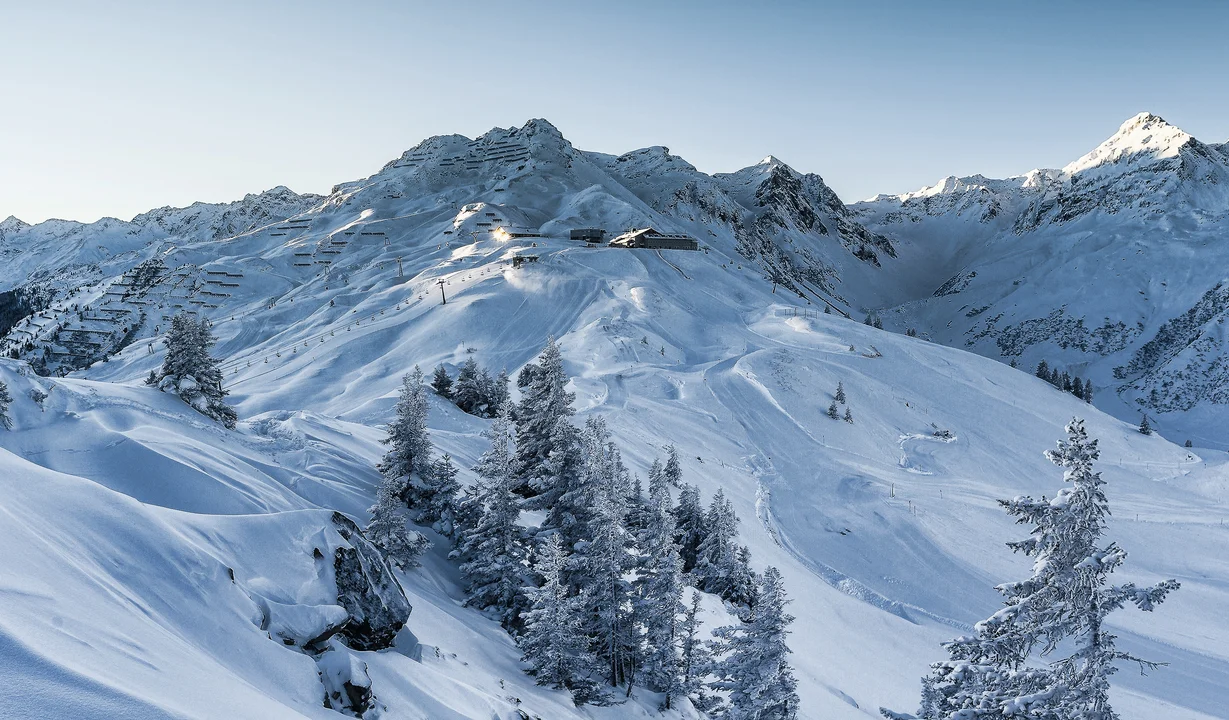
[594, 594]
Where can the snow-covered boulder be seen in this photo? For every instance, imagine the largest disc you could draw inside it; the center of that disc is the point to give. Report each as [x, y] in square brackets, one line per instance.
[347, 686]
[367, 590]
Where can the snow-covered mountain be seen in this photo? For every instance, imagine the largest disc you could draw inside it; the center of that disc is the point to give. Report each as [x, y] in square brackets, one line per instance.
[1110, 267]
[173, 568]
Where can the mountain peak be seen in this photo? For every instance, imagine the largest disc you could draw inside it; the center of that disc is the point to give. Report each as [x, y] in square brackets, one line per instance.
[12, 222]
[1143, 137]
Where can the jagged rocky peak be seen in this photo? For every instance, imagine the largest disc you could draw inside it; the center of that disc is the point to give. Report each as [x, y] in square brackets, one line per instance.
[12, 225]
[1143, 138]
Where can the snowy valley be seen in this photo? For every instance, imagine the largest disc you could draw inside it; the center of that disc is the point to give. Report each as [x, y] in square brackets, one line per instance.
[166, 565]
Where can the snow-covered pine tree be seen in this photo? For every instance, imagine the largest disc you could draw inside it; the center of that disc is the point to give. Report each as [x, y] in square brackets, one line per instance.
[441, 383]
[755, 671]
[717, 555]
[499, 393]
[553, 641]
[467, 390]
[409, 454]
[1063, 605]
[1145, 428]
[1087, 391]
[840, 392]
[833, 412]
[673, 471]
[5, 400]
[191, 373]
[1043, 370]
[848, 415]
[439, 499]
[689, 526]
[743, 580]
[659, 593]
[387, 529]
[1066, 542]
[602, 569]
[694, 656]
[545, 404]
[596, 514]
[494, 549]
[637, 506]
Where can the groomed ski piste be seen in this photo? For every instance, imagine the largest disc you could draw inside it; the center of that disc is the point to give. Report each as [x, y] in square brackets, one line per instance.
[131, 512]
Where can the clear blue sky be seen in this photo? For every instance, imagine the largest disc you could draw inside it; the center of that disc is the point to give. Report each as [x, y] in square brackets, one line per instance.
[114, 108]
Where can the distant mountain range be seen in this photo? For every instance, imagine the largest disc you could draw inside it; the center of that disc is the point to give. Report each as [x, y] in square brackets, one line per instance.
[1108, 267]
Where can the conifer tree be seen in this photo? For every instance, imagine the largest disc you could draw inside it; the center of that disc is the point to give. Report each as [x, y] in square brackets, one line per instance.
[387, 529]
[660, 592]
[604, 553]
[1145, 427]
[673, 471]
[409, 454]
[742, 580]
[494, 569]
[694, 656]
[848, 415]
[833, 412]
[571, 480]
[637, 507]
[755, 671]
[1043, 370]
[191, 373]
[717, 555]
[467, 390]
[5, 400]
[553, 641]
[689, 526]
[1087, 391]
[545, 404]
[439, 500]
[606, 593]
[499, 393]
[441, 383]
[840, 393]
[1063, 606]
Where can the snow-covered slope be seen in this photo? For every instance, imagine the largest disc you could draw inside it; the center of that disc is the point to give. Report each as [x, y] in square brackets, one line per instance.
[134, 507]
[1110, 268]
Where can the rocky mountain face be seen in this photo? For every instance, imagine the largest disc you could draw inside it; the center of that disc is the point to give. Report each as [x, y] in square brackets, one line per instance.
[1109, 266]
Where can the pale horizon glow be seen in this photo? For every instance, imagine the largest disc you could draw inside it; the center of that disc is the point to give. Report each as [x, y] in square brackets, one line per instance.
[116, 109]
